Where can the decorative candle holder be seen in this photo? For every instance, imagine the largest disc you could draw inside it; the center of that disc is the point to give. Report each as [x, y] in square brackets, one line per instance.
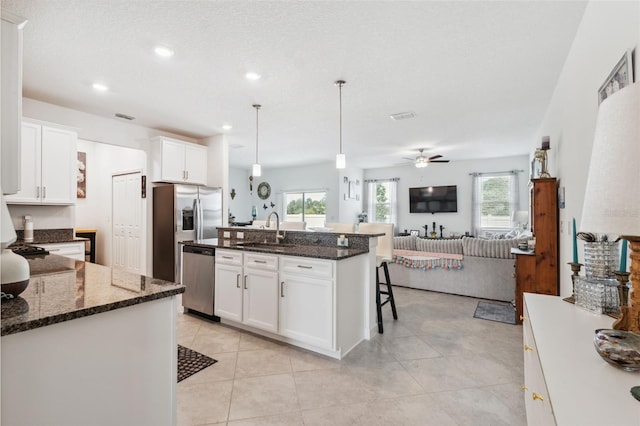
[575, 269]
[622, 323]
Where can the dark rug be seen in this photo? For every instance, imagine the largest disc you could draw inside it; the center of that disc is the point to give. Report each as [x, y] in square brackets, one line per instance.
[496, 311]
[190, 362]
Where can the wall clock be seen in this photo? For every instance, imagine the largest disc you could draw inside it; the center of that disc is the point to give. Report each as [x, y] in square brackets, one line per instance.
[264, 190]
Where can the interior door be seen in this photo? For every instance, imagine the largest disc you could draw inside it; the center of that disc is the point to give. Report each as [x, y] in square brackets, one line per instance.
[128, 249]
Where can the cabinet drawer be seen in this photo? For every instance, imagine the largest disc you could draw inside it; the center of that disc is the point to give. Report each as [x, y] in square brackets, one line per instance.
[306, 267]
[261, 261]
[229, 257]
[72, 250]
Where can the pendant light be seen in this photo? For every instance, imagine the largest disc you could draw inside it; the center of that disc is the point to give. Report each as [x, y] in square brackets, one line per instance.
[257, 170]
[340, 158]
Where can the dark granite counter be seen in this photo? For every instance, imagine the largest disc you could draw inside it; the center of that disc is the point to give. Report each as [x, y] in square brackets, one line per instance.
[301, 250]
[62, 289]
[49, 236]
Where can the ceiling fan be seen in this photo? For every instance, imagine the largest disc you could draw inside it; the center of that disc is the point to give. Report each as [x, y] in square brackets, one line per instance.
[422, 161]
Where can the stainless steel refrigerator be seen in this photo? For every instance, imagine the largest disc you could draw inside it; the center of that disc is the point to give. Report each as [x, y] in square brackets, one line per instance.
[181, 213]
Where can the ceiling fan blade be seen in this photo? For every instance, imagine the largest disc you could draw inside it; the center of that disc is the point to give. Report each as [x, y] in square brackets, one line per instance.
[434, 157]
[409, 159]
[439, 161]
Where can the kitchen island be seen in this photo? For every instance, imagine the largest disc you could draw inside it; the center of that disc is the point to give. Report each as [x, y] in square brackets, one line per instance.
[86, 344]
[303, 290]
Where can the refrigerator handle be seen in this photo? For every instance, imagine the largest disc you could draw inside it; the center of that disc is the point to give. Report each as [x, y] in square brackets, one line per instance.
[197, 218]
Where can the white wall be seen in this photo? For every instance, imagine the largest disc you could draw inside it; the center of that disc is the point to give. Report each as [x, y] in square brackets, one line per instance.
[453, 173]
[350, 208]
[241, 204]
[607, 30]
[94, 211]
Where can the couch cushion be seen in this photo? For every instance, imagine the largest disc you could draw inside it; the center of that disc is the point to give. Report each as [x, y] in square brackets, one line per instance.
[500, 249]
[404, 243]
[439, 246]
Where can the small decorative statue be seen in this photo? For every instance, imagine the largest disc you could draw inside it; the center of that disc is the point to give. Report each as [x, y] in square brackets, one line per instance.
[441, 228]
[434, 234]
[254, 213]
[426, 231]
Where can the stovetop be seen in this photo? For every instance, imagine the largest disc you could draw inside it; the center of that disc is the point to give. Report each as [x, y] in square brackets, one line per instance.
[26, 250]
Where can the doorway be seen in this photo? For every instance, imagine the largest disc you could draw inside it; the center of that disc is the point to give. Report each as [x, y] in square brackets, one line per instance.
[128, 245]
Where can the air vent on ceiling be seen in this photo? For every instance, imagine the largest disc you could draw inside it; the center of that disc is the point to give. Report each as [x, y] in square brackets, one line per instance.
[403, 115]
[126, 117]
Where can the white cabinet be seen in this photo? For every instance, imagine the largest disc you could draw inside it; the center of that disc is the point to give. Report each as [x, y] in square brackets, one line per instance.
[11, 109]
[48, 166]
[228, 285]
[246, 289]
[306, 300]
[260, 285]
[179, 162]
[74, 250]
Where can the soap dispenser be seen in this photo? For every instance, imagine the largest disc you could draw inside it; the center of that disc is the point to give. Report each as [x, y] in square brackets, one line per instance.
[28, 229]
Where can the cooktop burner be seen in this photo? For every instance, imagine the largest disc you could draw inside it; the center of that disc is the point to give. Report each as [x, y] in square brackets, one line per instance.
[25, 250]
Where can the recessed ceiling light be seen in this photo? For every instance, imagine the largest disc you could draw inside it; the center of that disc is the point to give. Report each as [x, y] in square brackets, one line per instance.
[253, 76]
[163, 51]
[227, 127]
[100, 87]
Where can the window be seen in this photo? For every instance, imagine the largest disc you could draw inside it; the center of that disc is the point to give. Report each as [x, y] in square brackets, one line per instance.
[310, 207]
[495, 199]
[382, 201]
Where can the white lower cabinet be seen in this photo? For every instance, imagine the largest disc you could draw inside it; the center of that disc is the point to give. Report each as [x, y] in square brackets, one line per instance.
[74, 250]
[286, 295]
[246, 289]
[306, 301]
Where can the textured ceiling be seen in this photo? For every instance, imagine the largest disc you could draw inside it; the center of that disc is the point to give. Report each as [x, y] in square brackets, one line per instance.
[478, 75]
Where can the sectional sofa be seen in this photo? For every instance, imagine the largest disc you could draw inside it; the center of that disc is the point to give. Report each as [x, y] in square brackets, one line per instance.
[469, 266]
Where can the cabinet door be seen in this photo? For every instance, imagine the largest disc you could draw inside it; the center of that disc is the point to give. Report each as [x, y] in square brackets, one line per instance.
[306, 310]
[260, 308]
[172, 168]
[195, 160]
[73, 250]
[29, 166]
[228, 292]
[59, 166]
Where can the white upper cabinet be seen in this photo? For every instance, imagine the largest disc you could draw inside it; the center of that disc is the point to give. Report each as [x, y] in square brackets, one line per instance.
[178, 162]
[48, 166]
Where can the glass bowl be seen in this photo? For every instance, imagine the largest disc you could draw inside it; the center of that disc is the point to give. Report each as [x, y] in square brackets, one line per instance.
[619, 348]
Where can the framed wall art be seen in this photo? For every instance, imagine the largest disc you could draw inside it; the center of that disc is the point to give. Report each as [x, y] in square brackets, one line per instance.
[621, 76]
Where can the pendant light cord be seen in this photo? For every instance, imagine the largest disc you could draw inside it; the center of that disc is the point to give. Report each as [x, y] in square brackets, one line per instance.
[257, 107]
[340, 87]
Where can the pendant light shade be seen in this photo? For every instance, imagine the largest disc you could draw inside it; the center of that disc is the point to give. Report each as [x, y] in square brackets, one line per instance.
[341, 161]
[257, 169]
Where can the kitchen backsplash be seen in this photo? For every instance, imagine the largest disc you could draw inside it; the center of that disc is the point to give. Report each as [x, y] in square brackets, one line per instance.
[48, 235]
[44, 217]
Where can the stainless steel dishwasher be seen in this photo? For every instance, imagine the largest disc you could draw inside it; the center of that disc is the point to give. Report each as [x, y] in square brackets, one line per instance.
[199, 279]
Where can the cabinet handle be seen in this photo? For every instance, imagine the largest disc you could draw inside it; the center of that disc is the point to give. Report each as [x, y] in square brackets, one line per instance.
[281, 288]
[535, 396]
[522, 318]
[524, 387]
[528, 348]
[44, 192]
[37, 192]
[244, 282]
[237, 280]
[260, 261]
[187, 172]
[305, 267]
[227, 257]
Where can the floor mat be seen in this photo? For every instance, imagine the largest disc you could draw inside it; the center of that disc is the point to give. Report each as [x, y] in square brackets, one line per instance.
[495, 311]
[190, 362]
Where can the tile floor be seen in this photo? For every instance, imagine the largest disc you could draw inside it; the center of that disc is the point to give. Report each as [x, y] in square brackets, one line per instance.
[436, 365]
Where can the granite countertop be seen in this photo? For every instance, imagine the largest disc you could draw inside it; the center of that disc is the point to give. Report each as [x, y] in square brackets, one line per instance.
[62, 289]
[49, 236]
[301, 250]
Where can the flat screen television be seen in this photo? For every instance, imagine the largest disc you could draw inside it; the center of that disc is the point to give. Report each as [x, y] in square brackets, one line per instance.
[433, 199]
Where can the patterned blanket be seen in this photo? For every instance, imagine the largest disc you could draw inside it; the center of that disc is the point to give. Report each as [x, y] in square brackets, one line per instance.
[427, 260]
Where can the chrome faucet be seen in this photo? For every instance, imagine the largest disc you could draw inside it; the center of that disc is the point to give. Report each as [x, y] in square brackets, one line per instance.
[268, 225]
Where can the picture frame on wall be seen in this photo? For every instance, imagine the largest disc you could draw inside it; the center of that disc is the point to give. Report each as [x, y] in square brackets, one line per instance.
[620, 77]
[352, 190]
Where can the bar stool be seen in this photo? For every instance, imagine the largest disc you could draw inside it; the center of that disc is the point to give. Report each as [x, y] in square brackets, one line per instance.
[384, 254]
